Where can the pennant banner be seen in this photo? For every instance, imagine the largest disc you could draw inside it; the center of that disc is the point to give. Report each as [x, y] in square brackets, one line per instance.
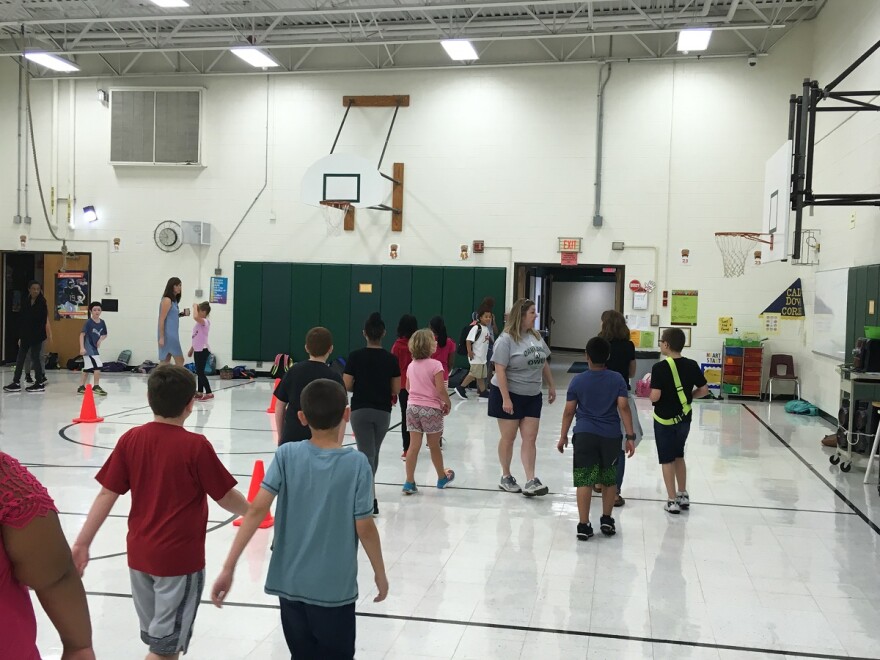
[790, 304]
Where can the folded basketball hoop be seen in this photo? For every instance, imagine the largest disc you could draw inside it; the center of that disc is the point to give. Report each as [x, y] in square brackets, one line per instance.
[335, 213]
[735, 246]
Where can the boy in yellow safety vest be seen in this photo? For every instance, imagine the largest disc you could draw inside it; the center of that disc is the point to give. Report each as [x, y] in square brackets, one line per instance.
[675, 382]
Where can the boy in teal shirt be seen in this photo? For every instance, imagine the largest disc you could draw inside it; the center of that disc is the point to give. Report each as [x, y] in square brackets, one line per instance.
[325, 506]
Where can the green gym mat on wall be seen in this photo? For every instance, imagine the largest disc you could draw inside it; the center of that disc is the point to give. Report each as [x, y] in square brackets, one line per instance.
[275, 304]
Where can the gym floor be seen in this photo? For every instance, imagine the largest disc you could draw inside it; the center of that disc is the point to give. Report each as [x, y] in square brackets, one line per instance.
[776, 557]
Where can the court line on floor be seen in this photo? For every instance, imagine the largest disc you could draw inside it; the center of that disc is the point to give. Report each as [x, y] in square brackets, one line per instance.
[119, 515]
[856, 510]
[535, 629]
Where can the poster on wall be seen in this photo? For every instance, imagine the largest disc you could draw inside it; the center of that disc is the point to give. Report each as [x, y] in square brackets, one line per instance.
[790, 303]
[684, 307]
[71, 295]
[712, 368]
[219, 290]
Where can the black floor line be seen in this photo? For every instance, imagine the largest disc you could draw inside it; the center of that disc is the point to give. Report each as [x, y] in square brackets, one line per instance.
[121, 515]
[861, 514]
[534, 629]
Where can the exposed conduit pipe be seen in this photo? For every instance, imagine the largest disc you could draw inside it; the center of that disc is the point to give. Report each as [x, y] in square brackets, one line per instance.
[18, 153]
[600, 130]
[218, 270]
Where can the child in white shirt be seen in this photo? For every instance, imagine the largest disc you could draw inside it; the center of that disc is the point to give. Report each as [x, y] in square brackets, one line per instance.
[478, 340]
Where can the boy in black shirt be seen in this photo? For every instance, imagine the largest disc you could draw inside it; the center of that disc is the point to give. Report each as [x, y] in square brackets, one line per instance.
[319, 346]
[674, 384]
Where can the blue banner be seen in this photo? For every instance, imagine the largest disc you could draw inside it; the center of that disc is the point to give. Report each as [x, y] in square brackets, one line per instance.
[219, 290]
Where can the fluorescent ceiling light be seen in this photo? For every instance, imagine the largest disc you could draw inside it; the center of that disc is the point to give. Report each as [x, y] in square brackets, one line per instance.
[52, 62]
[694, 40]
[255, 57]
[459, 49]
[170, 4]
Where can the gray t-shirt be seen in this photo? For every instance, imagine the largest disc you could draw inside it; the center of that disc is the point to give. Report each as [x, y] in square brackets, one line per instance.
[524, 361]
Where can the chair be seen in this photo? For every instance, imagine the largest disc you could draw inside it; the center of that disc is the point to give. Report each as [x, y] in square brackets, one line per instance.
[782, 368]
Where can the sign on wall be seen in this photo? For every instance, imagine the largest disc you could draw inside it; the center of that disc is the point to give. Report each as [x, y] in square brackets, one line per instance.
[790, 304]
[71, 295]
[219, 290]
[569, 244]
[684, 307]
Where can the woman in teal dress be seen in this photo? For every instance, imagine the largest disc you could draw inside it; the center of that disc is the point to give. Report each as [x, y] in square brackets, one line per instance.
[169, 323]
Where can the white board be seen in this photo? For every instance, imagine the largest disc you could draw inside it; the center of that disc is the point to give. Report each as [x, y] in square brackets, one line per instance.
[829, 313]
[344, 177]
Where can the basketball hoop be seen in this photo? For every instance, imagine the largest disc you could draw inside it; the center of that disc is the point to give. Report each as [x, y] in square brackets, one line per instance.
[334, 214]
[735, 247]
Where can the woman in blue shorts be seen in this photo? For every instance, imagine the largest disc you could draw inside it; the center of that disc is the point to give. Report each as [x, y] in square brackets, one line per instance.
[515, 398]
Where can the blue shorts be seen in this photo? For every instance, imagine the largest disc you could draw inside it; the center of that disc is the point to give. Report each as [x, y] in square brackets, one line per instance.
[523, 405]
[670, 440]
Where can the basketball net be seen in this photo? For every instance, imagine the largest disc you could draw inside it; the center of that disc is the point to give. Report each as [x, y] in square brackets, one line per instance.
[735, 247]
[334, 216]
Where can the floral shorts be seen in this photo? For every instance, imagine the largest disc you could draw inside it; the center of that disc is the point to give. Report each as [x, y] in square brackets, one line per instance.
[423, 419]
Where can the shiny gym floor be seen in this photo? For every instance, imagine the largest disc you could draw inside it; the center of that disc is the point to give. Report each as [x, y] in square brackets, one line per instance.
[776, 558]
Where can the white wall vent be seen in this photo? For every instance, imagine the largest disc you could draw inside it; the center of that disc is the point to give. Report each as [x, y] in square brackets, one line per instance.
[155, 126]
[195, 233]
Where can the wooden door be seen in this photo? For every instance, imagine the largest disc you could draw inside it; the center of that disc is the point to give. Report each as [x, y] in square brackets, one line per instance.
[65, 332]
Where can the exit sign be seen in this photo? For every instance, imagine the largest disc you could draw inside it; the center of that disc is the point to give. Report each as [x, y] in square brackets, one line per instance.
[569, 244]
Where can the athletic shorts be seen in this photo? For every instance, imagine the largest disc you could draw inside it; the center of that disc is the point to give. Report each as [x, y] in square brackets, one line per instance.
[479, 371]
[670, 440]
[166, 608]
[595, 459]
[92, 363]
[523, 405]
[422, 419]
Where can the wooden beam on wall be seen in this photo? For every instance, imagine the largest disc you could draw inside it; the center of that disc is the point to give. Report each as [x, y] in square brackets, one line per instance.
[397, 198]
[401, 100]
[348, 221]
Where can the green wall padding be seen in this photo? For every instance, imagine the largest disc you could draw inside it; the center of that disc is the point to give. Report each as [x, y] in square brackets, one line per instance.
[336, 306]
[363, 304]
[305, 306]
[396, 298]
[427, 293]
[247, 285]
[458, 303]
[275, 328]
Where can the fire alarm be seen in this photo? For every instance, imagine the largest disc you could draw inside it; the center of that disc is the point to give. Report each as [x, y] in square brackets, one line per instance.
[479, 247]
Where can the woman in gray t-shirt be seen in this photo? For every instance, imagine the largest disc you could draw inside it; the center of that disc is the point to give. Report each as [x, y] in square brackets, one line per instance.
[515, 398]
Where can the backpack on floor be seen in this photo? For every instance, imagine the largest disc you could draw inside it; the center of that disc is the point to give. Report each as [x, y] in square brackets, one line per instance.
[114, 367]
[190, 366]
[241, 372]
[124, 357]
[147, 366]
[801, 407]
[461, 346]
[75, 363]
[52, 361]
[456, 376]
[283, 362]
[211, 365]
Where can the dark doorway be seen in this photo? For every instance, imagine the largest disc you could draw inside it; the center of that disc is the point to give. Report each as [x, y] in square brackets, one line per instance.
[569, 299]
[20, 268]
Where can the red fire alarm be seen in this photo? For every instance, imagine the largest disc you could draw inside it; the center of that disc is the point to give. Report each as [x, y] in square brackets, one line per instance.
[479, 247]
[666, 298]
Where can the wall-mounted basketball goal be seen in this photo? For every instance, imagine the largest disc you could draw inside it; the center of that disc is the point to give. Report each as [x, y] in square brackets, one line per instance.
[341, 183]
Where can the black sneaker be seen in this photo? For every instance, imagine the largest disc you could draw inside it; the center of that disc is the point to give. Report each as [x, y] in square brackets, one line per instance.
[29, 379]
[607, 525]
[375, 507]
[12, 387]
[461, 392]
[44, 381]
[36, 387]
[81, 389]
[584, 531]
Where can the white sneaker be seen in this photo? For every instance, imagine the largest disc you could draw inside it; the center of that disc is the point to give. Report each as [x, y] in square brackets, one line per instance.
[672, 507]
[683, 500]
[534, 487]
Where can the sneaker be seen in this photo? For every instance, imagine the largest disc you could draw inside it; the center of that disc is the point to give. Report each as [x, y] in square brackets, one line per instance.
[97, 389]
[672, 507]
[535, 487]
[461, 392]
[29, 379]
[44, 381]
[509, 484]
[36, 387]
[81, 389]
[484, 396]
[584, 531]
[448, 479]
[12, 387]
[409, 488]
[619, 501]
[607, 526]
[684, 500]
[375, 507]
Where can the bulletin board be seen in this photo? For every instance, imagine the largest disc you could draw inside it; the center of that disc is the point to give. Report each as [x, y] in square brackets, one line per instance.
[684, 307]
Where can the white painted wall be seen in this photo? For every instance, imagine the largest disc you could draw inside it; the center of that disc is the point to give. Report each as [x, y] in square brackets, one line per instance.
[577, 308]
[504, 155]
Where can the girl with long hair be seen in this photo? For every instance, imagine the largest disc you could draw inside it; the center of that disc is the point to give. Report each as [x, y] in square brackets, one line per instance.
[445, 353]
[406, 328]
[169, 323]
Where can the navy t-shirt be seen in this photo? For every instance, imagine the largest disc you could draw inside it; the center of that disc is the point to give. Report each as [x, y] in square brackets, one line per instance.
[93, 333]
[596, 393]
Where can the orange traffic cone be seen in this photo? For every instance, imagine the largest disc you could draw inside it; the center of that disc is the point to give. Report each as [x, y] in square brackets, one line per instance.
[88, 414]
[271, 408]
[256, 480]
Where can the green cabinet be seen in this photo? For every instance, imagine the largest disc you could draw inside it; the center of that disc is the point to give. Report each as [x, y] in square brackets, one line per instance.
[863, 303]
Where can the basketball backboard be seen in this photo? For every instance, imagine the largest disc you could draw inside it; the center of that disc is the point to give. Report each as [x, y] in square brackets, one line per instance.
[344, 178]
[777, 205]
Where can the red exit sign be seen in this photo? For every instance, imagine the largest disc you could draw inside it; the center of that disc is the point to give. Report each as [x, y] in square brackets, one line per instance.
[569, 244]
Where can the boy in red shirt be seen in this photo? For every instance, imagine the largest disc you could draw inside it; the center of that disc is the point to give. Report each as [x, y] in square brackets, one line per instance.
[169, 472]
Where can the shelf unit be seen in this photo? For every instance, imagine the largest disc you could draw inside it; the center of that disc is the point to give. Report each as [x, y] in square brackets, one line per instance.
[743, 366]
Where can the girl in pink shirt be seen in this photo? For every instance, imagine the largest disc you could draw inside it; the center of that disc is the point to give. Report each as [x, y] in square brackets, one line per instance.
[200, 351]
[445, 351]
[428, 404]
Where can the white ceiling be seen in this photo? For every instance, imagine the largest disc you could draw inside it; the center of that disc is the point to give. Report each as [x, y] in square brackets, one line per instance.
[135, 37]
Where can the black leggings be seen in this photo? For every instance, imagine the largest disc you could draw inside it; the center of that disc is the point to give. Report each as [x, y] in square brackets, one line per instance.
[29, 346]
[402, 398]
[201, 360]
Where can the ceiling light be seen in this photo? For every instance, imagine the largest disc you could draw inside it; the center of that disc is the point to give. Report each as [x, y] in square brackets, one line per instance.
[89, 214]
[170, 4]
[52, 62]
[694, 40]
[459, 49]
[255, 57]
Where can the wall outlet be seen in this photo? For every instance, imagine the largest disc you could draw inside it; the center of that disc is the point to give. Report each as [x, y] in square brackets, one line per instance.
[107, 290]
[852, 220]
[655, 320]
[272, 217]
[259, 365]
[199, 293]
